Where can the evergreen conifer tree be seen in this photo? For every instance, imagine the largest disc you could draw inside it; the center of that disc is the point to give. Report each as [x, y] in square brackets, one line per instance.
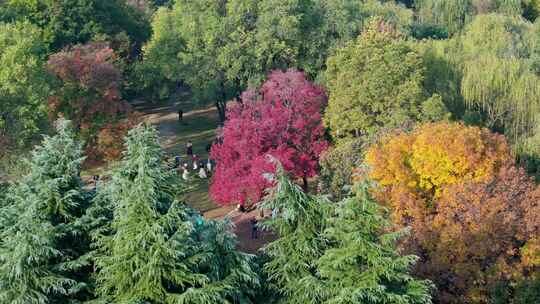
[43, 238]
[362, 264]
[156, 249]
[336, 253]
[299, 226]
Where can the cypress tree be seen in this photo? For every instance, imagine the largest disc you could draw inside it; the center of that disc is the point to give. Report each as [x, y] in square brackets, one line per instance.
[43, 239]
[156, 249]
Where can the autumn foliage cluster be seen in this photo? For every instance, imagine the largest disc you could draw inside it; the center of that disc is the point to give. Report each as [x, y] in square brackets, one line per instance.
[89, 95]
[282, 120]
[473, 214]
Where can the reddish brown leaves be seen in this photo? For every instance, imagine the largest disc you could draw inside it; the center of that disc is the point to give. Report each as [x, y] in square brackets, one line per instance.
[473, 214]
[90, 96]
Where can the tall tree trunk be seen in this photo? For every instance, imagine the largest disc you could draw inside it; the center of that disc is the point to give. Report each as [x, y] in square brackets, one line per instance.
[221, 107]
[221, 104]
[305, 184]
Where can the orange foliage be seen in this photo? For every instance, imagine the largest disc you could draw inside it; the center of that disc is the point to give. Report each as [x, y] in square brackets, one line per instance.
[108, 144]
[474, 216]
[478, 231]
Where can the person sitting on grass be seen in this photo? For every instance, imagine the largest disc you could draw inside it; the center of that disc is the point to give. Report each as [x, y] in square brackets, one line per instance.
[185, 175]
[202, 173]
[195, 160]
[241, 208]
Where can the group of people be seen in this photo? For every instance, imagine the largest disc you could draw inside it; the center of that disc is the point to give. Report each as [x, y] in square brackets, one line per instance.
[193, 162]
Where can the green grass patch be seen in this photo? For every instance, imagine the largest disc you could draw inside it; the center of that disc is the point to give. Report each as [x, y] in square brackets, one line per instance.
[200, 128]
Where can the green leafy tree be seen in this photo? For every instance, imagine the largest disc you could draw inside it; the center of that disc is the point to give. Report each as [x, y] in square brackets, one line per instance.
[363, 264]
[374, 82]
[536, 47]
[453, 15]
[531, 9]
[185, 48]
[443, 74]
[156, 249]
[337, 166]
[220, 48]
[44, 239]
[24, 85]
[66, 22]
[304, 34]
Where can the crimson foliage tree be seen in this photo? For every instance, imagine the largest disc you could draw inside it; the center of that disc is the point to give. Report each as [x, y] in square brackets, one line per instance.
[89, 95]
[281, 119]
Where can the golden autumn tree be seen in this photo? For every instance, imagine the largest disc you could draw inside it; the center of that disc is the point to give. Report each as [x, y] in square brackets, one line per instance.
[470, 209]
[413, 168]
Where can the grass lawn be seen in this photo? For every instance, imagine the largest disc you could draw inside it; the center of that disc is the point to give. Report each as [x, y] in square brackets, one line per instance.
[199, 127]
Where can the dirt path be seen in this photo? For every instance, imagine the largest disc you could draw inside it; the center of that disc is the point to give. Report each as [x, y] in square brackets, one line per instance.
[172, 133]
[243, 229]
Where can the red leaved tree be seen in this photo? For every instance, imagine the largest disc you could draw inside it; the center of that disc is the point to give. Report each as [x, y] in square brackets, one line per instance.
[282, 119]
[89, 95]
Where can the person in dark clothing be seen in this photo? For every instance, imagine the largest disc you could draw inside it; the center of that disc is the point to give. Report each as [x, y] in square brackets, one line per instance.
[176, 162]
[241, 208]
[254, 223]
[189, 148]
[95, 179]
[180, 116]
[209, 147]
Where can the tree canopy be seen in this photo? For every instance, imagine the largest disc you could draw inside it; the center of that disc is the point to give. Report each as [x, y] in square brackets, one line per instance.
[24, 85]
[336, 253]
[88, 92]
[67, 22]
[487, 76]
[453, 15]
[221, 48]
[282, 119]
[458, 189]
[416, 120]
[44, 236]
[374, 83]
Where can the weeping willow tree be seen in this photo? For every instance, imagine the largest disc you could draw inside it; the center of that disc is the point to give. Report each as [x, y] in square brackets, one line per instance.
[449, 14]
[489, 75]
[499, 79]
[453, 15]
[497, 35]
[535, 56]
[443, 73]
[506, 91]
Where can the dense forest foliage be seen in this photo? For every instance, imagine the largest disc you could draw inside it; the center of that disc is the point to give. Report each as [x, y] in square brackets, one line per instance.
[396, 144]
